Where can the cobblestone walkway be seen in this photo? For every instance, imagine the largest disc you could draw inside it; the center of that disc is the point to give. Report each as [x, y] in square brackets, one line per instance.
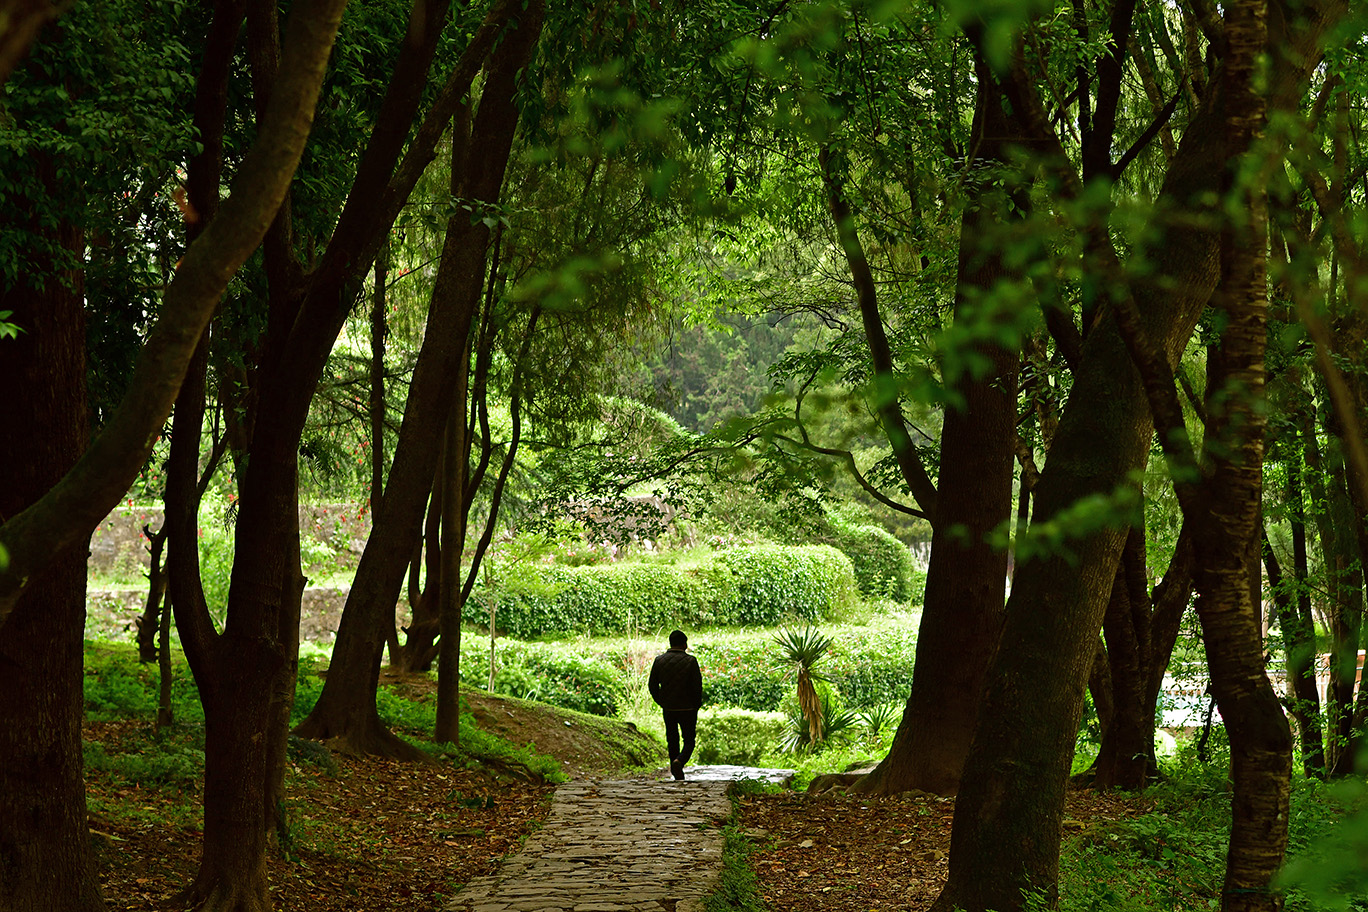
[618, 845]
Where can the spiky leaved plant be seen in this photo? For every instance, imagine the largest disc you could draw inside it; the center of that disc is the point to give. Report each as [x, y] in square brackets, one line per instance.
[802, 651]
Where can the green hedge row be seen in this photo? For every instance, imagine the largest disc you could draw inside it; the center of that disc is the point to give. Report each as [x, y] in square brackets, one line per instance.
[883, 565]
[761, 585]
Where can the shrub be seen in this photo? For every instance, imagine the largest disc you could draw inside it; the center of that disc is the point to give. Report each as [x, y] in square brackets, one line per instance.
[762, 585]
[869, 665]
[743, 672]
[778, 584]
[874, 666]
[607, 599]
[562, 679]
[737, 736]
[883, 565]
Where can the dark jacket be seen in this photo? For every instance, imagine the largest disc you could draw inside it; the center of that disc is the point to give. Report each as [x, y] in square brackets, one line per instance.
[676, 682]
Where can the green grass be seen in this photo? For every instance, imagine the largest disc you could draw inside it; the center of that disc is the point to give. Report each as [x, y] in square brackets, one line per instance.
[737, 890]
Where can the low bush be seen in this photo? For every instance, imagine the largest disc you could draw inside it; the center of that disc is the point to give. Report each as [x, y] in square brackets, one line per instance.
[742, 671]
[536, 672]
[737, 736]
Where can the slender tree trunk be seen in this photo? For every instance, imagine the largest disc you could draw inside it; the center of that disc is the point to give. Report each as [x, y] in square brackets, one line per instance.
[1346, 619]
[379, 327]
[1229, 514]
[149, 622]
[966, 580]
[1299, 655]
[456, 463]
[346, 707]
[45, 858]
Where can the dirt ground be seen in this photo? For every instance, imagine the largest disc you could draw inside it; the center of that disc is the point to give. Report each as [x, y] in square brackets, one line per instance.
[839, 853]
[379, 835]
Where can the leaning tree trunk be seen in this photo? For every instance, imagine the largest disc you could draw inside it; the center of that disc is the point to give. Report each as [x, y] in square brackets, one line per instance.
[346, 707]
[45, 858]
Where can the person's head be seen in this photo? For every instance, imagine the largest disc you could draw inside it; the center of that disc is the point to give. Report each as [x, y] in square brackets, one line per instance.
[678, 640]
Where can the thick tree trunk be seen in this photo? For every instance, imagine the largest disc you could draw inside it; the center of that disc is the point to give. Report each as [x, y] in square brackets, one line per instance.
[1012, 791]
[966, 579]
[346, 707]
[45, 858]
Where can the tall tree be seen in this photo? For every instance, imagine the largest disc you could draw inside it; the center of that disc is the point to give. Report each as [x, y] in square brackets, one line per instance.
[346, 708]
[967, 573]
[65, 497]
[1005, 840]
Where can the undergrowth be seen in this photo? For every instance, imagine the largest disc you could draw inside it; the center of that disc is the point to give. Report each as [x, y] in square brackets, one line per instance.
[737, 890]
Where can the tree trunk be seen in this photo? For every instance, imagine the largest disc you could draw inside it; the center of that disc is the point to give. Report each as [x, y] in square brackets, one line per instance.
[1299, 658]
[346, 707]
[1346, 619]
[149, 622]
[379, 327]
[1141, 629]
[1229, 513]
[966, 579]
[1005, 841]
[1012, 790]
[45, 858]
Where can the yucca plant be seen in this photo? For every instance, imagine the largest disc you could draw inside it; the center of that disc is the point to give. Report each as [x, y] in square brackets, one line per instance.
[878, 717]
[834, 721]
[802, 651]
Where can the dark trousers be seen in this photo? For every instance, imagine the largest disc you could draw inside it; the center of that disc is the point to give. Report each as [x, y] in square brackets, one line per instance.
[680, 722]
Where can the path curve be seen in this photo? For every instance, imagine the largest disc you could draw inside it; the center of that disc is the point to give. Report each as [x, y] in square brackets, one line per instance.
[618, 845]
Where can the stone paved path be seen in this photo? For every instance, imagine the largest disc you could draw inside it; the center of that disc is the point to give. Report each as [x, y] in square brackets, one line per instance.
[618, 845]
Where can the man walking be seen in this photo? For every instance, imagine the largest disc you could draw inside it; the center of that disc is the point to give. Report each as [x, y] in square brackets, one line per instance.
[676, 685]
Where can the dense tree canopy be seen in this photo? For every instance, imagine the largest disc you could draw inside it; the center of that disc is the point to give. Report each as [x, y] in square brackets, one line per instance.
[1074, 291]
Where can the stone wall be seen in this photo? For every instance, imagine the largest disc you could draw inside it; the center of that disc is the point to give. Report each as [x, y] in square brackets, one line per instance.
[111, 613]
[119, 546]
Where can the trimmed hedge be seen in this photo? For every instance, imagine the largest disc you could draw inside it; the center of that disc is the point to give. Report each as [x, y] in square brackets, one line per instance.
[776, 584]
[754, 585]
[737, 736]
[883, 565]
